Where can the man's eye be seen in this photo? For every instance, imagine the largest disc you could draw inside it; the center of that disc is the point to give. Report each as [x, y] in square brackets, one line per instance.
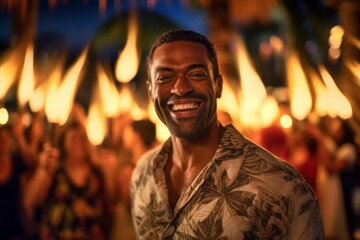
[165, 78]
[197, 75]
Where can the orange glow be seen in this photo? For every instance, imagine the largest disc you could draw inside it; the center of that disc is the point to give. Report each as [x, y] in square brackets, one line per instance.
[162, 132]
[68, 87]
[37, 100]
[300, 96]
[108, 92]
[354, 67]
[323, 101]
[128, 61]
[27, 79]
[269, 111]
[4, 116]
[126, 99]
[9, 67]
[96, 121]
[286, 121]
[228, 101]
[339, 102]
[253, 91]
[52, 101]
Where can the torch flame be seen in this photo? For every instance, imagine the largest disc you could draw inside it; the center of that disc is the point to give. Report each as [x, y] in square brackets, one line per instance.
[27, 82]
[228, 101]
[9, 67]
[253, 91]
[96, 121]
[128, 62]
[300, 96]
[340, 103]
[162, 132]
[354, 68]
[69, 86]
[108, 92]
[52, 100]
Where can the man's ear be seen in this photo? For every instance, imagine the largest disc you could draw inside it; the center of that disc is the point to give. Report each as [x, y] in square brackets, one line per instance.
[149, 88]
[219, 86]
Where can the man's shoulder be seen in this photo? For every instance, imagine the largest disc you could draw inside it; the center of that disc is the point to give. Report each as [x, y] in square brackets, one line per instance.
[147, 158]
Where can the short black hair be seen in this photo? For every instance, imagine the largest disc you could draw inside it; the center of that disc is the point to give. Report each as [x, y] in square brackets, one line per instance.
[185, 35]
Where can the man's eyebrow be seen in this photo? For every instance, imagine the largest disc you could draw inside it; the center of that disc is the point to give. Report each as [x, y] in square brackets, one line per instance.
[163, 69]
[193, 66]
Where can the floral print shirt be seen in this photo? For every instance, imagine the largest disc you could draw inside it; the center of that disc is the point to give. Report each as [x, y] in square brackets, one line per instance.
[243, 193]
[73, 212]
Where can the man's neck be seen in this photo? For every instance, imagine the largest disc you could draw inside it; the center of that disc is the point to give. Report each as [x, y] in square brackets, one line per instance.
[190, 153]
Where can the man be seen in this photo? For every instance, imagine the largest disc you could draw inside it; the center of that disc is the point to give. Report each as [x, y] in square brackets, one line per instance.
[208, 181]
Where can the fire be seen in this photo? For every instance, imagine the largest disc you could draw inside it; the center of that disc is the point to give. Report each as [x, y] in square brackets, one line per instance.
[354, 68]
[253, 91]
[4, 116]
[269, 111]
[323, 101]
[9, 67]
[300, 96]
[96, 121]
[37, 100]
[339, 102]
[126, 99]
[27, 80]
[52, 100]
[69, 86]
[108, 92]
[162, 132]
[228, 101]
[128, 61]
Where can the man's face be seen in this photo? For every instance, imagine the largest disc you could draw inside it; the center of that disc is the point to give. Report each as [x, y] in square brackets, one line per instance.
[183, 88]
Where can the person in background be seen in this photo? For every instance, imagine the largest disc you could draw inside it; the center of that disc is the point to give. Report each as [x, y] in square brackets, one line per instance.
[274, 139]
[12, 168]
[68, 190]
[139, 136]
[305, 151]
[208, 181]
[337, 178]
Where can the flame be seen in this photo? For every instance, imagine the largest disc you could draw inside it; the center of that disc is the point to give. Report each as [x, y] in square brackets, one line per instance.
[4, 116]
[323, 103]
[354, 67]
[108, 92]
[27, 80]
[340, 103]
[68, 88]
[126, 99]
[300, 96]
[162, 132]
[253, 89]
[96, 121]
[269, 111]
[128, 61]
[9, 67]
[37, 100]
[228, 101]
[52, 101]
[253, 92]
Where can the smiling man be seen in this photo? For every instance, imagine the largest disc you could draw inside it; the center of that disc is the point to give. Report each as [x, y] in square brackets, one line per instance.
[208, 181]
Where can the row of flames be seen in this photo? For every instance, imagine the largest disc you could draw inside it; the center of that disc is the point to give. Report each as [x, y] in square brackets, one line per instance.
[250, 105]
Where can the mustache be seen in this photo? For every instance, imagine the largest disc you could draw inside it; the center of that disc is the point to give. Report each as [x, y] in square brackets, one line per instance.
[186, 96]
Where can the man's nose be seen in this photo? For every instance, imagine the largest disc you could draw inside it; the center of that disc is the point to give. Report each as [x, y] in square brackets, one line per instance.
[182, 86]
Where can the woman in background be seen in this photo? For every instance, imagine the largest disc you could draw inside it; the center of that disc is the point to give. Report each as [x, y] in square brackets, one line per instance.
[68, 190]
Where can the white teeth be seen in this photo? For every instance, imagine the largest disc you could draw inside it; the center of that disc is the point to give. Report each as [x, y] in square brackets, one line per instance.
[186, 106]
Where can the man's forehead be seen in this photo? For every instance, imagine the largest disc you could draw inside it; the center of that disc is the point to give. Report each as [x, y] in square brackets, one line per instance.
[180, 51]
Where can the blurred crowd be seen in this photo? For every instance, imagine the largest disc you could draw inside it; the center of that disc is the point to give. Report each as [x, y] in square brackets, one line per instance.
[54, 184]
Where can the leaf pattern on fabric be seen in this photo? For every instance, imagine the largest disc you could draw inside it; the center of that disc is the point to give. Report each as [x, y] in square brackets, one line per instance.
[243, 193]
[151, 220]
